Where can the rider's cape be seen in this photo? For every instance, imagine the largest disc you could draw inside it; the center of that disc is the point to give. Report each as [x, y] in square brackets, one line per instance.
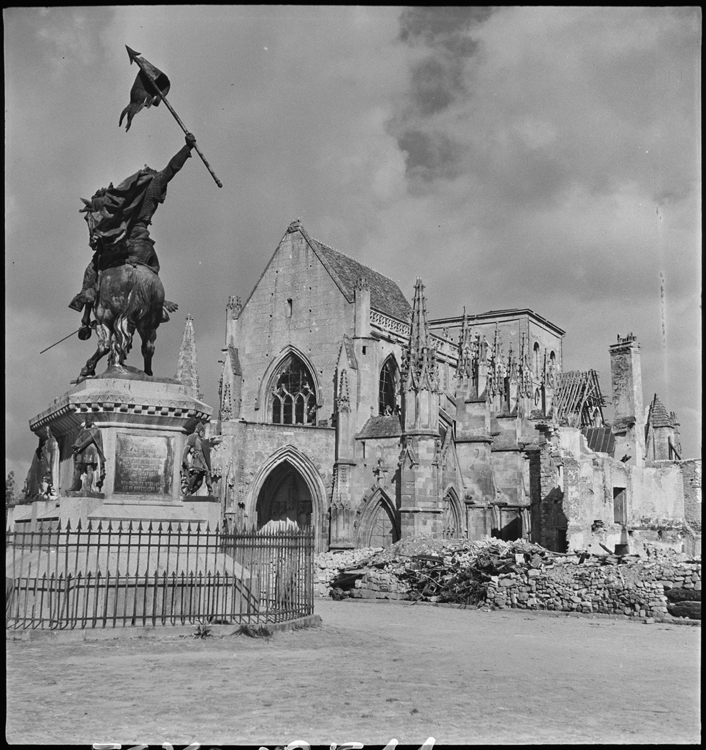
[112, 212]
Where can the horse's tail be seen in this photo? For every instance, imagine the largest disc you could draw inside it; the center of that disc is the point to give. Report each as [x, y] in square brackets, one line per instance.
[146, 298]
[123, 334]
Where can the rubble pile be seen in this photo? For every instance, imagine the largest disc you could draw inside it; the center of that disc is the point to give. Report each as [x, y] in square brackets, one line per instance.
[328, 565]
[517, 574]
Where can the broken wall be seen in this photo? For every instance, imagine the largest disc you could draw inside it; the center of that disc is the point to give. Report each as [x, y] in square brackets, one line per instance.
[601, 495]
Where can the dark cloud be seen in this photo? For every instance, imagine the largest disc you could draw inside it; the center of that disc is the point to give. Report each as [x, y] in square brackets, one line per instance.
[438, 79]
[435, 84]
[429, 156]
[441, 26]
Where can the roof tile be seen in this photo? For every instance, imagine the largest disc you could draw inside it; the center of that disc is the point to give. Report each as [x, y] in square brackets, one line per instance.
[385, 296]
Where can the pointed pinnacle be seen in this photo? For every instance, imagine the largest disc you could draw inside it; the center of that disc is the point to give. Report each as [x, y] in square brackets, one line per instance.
[132, 54]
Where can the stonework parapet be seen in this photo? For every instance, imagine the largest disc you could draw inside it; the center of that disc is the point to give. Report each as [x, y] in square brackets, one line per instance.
[389, 324]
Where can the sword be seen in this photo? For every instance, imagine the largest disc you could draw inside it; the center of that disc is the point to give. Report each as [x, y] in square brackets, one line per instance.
[59, 341]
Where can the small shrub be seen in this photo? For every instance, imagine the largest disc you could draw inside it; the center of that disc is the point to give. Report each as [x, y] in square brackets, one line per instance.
[202, 631]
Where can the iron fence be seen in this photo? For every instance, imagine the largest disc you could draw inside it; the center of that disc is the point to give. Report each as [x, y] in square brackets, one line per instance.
[108, 575]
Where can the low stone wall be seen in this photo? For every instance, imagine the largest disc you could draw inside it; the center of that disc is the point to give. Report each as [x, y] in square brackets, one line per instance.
[379, 584]
[634, 589]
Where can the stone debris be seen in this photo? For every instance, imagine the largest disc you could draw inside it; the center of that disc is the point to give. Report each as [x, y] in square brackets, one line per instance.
[518, 574]
[329, 565]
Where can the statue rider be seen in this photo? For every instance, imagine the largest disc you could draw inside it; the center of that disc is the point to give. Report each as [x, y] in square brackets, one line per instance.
[118, 219]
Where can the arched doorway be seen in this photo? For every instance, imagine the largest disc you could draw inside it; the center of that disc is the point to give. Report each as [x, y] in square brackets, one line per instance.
[284, 495]
[382, 531]
[379, 525]
[270, 483]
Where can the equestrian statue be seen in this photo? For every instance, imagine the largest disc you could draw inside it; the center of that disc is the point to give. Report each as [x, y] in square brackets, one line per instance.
[121, 285]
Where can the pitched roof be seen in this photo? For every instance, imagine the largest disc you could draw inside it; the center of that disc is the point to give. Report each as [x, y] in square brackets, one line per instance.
[381, 427]
[658, 416]
[385, 296]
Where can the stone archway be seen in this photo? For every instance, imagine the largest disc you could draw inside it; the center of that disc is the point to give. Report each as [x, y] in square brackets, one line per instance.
[288, 485]
[284, 496]
[379, 524]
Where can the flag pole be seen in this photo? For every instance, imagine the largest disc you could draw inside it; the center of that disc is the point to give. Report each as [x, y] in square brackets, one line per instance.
[135, 57]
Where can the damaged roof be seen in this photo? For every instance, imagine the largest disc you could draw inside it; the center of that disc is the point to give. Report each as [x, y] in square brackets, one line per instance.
[577, 394]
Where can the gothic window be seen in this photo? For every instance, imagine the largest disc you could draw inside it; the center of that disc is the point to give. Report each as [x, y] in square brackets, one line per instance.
[388, 387]
[293, 395]
[450, 519]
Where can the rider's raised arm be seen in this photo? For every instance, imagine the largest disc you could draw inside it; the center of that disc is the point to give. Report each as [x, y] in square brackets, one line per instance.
[179, 159]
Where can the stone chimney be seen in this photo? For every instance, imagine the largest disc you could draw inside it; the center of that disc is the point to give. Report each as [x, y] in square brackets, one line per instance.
[629, 416]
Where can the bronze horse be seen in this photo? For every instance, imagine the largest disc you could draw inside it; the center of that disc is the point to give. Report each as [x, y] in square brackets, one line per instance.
[121, 285]
[130, 298]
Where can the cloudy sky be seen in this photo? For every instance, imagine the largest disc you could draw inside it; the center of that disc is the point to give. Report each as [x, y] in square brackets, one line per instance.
[515, 157]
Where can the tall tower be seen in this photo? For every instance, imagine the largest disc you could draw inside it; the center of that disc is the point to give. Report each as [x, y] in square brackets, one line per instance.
[626, 385]
[473, 430]
[187, 372]
[421, 507]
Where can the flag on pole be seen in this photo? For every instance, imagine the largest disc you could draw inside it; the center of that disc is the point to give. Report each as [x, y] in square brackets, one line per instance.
[142, 93]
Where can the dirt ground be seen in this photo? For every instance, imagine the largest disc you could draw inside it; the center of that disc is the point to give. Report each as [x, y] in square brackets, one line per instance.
[373, 672]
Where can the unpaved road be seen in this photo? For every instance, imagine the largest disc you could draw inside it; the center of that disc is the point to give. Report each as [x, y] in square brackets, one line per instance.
[371, 673]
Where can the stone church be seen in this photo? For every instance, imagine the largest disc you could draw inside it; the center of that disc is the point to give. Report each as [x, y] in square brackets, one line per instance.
[345, 407]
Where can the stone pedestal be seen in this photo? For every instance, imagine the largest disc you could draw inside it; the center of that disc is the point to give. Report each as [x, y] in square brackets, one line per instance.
[144, 422]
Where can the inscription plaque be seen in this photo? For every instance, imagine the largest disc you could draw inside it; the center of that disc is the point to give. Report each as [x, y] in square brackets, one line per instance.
[144, 464]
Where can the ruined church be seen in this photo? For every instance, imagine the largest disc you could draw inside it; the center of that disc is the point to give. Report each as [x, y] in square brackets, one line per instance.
[344, 407]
